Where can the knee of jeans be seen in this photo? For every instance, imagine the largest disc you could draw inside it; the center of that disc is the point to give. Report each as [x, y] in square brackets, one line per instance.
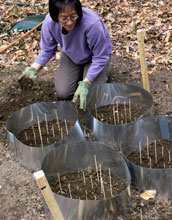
[64, 93]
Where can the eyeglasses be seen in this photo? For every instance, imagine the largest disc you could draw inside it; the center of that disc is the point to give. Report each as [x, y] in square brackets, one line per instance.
[68, 19]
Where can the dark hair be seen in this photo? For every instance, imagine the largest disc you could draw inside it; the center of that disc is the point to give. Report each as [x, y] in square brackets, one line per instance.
[56, 5]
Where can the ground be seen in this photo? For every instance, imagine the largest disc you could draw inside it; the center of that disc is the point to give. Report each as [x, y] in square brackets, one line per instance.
[20, 196]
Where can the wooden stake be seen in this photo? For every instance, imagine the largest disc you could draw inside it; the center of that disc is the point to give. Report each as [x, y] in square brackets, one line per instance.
[96, 167]
[140, 150]
[145, 78]
[110, 182]
[40, 134]
[48, 195]
[102, 187]
[156, 160]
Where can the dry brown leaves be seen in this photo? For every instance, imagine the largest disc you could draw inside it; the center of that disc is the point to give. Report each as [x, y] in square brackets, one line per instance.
[122, 17]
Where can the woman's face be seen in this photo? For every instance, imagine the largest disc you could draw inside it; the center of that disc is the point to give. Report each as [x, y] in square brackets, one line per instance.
[67, 18]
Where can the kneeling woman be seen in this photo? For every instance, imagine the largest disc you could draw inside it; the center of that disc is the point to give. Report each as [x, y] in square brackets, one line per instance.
[86, 48]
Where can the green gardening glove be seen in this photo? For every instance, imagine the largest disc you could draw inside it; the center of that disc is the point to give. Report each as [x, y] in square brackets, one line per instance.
[30, 72]
[81, 93]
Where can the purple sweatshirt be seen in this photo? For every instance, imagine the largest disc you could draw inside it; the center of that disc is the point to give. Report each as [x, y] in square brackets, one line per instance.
[89, 40]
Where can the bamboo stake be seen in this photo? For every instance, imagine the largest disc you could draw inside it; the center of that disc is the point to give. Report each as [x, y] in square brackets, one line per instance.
[144, 72]
[150, 162]
[96, 167]
[48, 195]
[20, 38]
[40, 134]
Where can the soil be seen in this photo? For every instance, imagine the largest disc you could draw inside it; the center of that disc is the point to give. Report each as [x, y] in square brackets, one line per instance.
[45, 132]
[154, 155]
[19, 193]
[86, 185]
[118, 114]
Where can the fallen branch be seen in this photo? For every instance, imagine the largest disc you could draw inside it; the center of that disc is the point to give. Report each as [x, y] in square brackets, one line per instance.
[19, 39]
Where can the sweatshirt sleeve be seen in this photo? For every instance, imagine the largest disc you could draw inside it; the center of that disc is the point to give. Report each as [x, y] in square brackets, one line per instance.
[98, 44]
[48, 45]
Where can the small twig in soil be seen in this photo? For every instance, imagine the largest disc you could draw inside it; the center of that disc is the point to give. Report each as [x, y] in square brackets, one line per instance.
[91, 180]
[129, 109]
[34, 135]
[150, 162]
[169, 156]
[61, 133]
[140, 150]
[59, 182]
[147, 141]
[156, 160]
[84, 181]
[67, 131]
[141, 215]
[52, 128]
[46, 124]
[69, 190]
[57, 120]
[40, 134]
[26, 135]
[96, 167]
[125, 112]
[86, 194]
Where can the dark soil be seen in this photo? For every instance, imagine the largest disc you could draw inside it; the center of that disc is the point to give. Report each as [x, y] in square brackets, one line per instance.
[155, 155]
[86, 185]
[19, 193]
[118, 114]
[45, 132]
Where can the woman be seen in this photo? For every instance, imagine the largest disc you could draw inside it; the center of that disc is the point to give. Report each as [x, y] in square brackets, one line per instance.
[85, 44]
